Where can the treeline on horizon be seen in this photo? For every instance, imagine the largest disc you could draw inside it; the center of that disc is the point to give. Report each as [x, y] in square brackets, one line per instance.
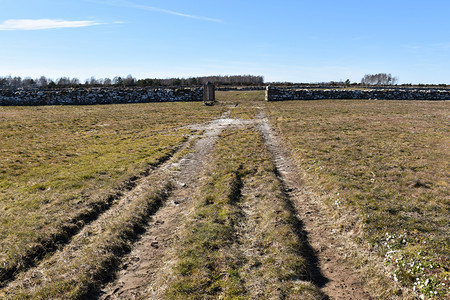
[9, 82]
[129, 81]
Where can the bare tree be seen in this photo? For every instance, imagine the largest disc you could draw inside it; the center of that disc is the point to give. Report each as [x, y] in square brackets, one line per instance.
[42, 82]
[74, 82]
[63, 81]
[118, 80]
[379, 79]
[129, 81]
[93, 81]
[28, 82]
[15, 82]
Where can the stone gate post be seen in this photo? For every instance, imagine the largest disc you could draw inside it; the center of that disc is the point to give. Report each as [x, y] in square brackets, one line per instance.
[268, 93]
[209, 93]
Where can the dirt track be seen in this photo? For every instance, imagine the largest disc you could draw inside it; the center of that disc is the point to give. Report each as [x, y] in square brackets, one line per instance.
[142, 272]
[143, 265]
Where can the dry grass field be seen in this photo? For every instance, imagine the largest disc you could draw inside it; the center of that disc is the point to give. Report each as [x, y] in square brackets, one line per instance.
[383, 168]
[62, 166]
[80, 186]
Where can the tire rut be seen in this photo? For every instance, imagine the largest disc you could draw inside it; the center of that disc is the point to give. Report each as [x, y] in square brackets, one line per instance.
[135, 187]
[59, 240]
[335, 277]
[141, 269]
[257, 283]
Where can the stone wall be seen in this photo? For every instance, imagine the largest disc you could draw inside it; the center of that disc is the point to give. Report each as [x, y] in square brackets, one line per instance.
[89, 96]
[281, 94]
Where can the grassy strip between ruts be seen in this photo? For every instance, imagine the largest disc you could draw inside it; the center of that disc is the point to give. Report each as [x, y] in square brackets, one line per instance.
[62, 166]
[213, 261]
[389, 162]
[242, 104]
[79, 270]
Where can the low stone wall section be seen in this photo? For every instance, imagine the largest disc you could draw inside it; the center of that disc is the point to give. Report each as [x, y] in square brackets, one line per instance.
[283, 94]
[90, 96]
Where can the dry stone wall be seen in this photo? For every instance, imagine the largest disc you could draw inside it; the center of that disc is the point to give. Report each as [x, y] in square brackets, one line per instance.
[281, 94]
[90, 96]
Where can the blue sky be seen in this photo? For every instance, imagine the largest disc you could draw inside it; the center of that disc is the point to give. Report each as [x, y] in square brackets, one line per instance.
[284, 40]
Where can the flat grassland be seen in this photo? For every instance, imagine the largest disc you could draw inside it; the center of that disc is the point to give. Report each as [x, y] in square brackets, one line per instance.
[380, 168]
[61, 166]
[383, 168]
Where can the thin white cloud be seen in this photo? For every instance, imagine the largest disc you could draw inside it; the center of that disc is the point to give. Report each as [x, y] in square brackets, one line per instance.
[156, 9]
[42, 24]
[174, 13]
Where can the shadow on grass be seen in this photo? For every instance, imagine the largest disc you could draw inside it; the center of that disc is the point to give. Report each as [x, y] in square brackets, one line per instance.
[314, 272]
